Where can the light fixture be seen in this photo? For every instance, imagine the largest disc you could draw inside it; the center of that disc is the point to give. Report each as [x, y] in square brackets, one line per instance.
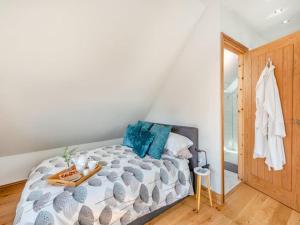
[278, 11]
[285, 21]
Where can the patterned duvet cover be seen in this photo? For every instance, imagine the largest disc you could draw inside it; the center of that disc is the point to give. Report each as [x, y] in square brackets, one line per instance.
[127, 187]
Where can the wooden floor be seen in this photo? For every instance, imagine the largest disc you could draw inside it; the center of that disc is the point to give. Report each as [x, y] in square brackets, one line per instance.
[9, 198]
[244, 206]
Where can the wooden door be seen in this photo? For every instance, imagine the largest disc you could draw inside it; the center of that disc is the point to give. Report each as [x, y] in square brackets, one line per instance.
[284, 185]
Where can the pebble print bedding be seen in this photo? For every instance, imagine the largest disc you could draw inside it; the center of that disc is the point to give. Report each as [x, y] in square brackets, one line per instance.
[127, 187]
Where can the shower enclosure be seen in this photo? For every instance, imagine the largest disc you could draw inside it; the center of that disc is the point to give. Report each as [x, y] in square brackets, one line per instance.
[230, 121]
[230, 108]
[230, 127]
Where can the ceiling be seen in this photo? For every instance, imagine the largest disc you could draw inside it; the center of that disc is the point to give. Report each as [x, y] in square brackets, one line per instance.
[258, 15]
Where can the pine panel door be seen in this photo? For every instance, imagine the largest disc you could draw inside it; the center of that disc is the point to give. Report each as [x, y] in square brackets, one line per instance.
[284, 185]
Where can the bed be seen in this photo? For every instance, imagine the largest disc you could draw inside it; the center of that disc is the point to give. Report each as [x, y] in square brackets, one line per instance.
[128, 189]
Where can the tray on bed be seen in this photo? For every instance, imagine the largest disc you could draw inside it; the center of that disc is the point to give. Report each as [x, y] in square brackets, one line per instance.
[55, 179]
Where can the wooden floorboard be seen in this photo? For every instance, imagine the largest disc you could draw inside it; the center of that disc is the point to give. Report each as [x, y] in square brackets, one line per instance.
[246, 206]
[9, 198]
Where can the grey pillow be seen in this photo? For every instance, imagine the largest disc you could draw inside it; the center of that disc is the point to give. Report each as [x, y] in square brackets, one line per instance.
[182, 154]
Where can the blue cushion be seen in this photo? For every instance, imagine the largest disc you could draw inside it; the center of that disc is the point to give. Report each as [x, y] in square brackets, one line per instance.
[145, 125]
[142, 142]
[161, 133]
[131, 134]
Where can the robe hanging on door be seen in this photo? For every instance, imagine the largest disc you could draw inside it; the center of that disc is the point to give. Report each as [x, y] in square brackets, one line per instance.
[269, 122]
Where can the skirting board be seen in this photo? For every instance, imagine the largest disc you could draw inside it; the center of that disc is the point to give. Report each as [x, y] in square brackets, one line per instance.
[15, 168]
[233, 190]
[11, 185]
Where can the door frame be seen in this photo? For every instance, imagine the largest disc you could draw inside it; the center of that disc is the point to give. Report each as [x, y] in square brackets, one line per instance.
[236, 47]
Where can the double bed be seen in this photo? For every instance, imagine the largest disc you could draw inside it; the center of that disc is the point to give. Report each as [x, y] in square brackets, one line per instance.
[127, 190]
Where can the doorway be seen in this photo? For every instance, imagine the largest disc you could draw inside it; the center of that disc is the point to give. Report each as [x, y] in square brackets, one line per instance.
[231, 63]
[282, 185]
[232, 58]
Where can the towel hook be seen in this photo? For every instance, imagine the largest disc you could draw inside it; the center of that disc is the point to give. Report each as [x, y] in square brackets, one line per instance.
[269, 62]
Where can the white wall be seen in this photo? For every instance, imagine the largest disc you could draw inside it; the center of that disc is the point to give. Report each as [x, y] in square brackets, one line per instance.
[191, 95]
[235, 27]
[17, 167]
[77, 71]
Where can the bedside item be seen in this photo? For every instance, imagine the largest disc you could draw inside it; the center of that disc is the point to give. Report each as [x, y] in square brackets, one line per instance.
[176, 142]
[62, 179]
[201, 152]
[202, 172]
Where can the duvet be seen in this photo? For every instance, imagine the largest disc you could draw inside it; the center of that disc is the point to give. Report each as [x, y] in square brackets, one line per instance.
[127, 187]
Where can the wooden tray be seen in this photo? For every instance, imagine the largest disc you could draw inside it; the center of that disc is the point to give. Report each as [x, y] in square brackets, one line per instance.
[55, 180]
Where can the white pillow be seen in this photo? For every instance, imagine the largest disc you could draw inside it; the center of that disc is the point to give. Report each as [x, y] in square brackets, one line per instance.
[177, 142]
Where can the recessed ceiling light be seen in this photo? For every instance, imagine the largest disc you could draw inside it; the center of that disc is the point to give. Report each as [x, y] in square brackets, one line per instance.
[278, 11]
[285, 21]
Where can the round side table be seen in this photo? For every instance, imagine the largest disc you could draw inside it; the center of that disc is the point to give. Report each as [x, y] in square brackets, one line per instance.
[202, 172]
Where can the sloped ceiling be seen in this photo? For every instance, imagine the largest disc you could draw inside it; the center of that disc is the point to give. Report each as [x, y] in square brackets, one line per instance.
[79, 71]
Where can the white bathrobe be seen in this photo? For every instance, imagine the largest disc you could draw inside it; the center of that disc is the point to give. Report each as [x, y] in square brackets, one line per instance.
[269, 122]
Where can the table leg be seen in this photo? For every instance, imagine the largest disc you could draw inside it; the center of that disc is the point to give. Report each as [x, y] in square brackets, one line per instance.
[198, 193]
[196, 190]
[208, 189]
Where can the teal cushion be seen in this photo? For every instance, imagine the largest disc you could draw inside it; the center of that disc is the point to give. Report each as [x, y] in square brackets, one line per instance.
[145, 125]
[131, 133]
[161, 133]
[142, 142]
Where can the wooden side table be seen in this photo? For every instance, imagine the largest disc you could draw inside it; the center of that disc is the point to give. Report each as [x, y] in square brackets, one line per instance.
[202, 172]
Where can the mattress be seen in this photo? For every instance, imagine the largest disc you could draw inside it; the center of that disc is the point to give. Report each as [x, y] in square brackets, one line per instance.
[126, 188]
